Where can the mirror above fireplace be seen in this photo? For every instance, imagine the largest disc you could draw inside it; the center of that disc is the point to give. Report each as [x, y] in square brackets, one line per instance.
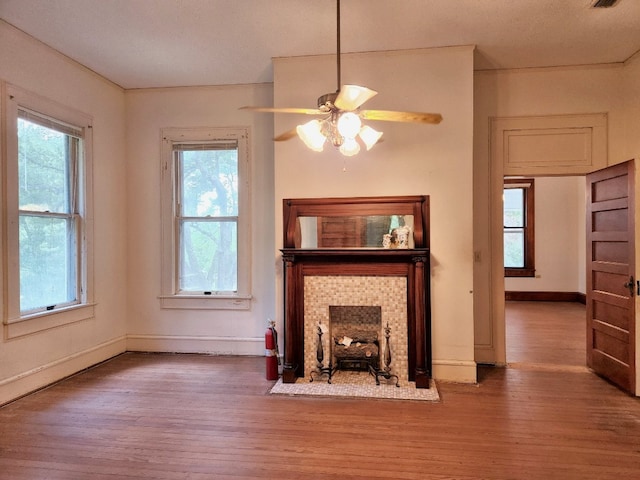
[357, 222]
[357, 231]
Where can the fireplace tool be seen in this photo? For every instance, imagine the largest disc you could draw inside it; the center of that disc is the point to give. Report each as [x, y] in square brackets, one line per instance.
[322, 370]
[385, 372]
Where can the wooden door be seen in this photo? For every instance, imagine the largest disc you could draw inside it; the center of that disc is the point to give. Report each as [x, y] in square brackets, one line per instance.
[341, 232]
[610, 269]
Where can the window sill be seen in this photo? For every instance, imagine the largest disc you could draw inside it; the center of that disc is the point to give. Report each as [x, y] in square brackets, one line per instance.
[46, 320]
[519, 272]
[201, 302]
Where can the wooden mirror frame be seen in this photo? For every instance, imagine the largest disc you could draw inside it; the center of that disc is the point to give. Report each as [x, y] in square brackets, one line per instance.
[417, 205]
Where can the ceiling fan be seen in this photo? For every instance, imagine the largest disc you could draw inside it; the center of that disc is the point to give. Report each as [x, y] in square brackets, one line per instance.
[341, 122]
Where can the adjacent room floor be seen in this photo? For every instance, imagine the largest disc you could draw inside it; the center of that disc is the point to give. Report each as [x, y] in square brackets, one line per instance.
[546, 333]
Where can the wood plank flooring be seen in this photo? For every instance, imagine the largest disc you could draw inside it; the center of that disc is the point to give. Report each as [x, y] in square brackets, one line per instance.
[546, 333]
[143, 416]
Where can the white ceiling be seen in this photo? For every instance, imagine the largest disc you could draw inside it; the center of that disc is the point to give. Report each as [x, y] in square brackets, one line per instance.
[164, 43]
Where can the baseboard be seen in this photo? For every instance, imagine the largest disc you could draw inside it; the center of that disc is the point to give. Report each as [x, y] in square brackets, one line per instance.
[39, 377]
[458, 371]
[546, 297]
[190, 344]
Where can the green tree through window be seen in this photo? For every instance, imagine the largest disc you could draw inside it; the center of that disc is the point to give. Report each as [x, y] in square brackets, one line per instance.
[48, 220]
[208, 216]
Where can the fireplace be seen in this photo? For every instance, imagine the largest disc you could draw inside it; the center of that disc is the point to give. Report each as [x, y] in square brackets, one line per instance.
[325, 296]
[395, 281]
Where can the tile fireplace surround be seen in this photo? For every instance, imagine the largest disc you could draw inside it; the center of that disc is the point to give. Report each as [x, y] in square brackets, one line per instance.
[389, 293]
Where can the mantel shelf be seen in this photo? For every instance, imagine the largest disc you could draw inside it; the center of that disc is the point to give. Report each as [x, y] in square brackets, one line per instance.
[354, 254]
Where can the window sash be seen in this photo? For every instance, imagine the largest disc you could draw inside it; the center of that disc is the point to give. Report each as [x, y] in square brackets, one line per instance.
[519, 262]
[514, 256]
[230, 186]
[210, 270]
[58, 281]
[73, 148]
[221, 275]
[49, 262]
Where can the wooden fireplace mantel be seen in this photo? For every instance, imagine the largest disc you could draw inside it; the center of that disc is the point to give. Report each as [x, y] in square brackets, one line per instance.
[411, 263]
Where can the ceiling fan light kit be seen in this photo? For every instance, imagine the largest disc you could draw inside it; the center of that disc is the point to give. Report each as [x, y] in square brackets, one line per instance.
[342, 123]
[344, 131]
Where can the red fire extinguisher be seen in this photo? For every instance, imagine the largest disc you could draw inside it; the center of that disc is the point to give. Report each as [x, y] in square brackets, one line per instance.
[271, 351]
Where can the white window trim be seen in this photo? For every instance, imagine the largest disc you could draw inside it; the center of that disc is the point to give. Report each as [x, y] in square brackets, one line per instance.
[169, 296]
[15, 324]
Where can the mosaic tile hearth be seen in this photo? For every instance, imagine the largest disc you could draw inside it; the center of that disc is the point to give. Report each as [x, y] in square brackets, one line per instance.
[356, 385]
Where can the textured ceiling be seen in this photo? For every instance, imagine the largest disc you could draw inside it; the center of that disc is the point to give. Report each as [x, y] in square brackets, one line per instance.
[164, 43]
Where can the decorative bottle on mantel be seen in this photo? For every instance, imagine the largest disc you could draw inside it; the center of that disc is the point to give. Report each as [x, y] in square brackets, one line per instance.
[402, 236]
[398, 238]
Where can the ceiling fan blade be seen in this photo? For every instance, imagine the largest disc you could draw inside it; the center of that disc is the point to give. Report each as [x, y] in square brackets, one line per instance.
[288, 135]
[305, 111]
[392, 116]
[351, 97]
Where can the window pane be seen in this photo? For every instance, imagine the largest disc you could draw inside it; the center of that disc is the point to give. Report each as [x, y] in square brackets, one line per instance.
[209, 183]
[514, 248]
[514, 207]
[47, 262]
[43, 163]
[209, 256]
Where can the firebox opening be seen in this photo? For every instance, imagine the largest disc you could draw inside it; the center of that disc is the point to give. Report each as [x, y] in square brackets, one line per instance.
[355, 336]
[356, 342]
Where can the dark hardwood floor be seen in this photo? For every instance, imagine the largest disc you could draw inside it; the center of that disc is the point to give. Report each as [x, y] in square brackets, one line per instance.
[204, 417]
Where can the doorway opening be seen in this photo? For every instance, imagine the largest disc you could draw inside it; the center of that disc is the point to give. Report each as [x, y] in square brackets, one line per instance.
[545, 323]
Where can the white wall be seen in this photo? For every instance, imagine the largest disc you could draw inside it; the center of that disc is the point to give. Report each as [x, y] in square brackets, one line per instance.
[213, 331]
[413, 159]
[530, 92]
[33, 361]
[559, 237]
[631, 86]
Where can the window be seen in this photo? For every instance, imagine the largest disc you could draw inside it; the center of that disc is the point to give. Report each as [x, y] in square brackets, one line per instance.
[518, 228]
[205, 218]
[48, 155]
[47, 196]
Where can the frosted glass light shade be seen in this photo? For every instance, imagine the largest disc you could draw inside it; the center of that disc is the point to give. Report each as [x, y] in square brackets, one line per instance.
[311, 134]
[349, 125]
[369, 136]
[349, 147]
[352, 96]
